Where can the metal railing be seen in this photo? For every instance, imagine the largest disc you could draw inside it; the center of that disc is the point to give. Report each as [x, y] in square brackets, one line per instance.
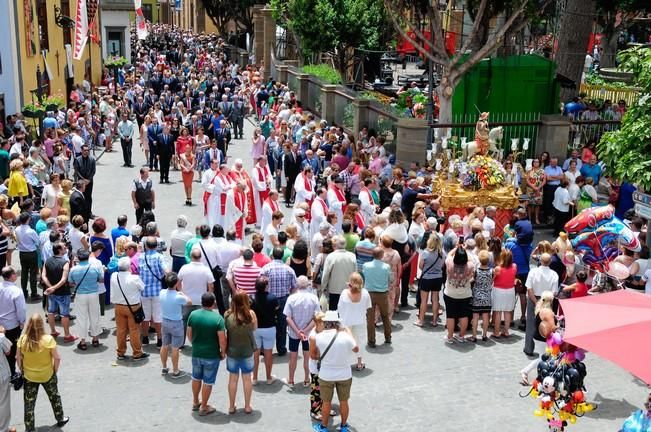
[585, 131]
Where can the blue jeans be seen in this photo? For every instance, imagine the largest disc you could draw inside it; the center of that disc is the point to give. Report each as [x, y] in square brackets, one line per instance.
[205, 370]
[177, 263]
[281, 327]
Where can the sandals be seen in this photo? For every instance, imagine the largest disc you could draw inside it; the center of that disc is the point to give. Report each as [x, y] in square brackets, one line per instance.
[472, 339]
[209, 410]
[82, 346]
[484, 338]
[360, 367]
[248, 411]
[506, 335]
[418, 323]
[232, 411]
[195, 407]
[306, 384]
[95, 343]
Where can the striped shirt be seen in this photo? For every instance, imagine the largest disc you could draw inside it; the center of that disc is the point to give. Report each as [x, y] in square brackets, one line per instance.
[244, 277]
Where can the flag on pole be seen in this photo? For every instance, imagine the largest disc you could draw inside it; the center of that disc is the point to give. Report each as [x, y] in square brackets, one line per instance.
[141, 22]
[92, 6]
[81, 29]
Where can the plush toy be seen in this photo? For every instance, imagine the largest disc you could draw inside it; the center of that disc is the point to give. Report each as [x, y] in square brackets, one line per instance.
[556, 425]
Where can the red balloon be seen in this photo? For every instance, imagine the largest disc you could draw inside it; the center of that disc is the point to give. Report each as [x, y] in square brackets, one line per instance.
[578, 396]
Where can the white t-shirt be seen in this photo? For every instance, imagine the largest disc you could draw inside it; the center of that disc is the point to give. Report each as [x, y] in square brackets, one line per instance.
[351, 313]
[335, 365]
[195, 278]
[562, 200]
[647, 278]
[266, 241]
[210, 251]
[542, 279]
[489, 225]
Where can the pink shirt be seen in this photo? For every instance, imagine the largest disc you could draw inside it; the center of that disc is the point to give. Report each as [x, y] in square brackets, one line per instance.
[505, 279]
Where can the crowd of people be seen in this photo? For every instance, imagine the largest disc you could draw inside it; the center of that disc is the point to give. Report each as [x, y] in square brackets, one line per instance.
[358, 234]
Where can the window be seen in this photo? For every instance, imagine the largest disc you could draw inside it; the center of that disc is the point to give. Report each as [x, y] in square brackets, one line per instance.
[67, 33]
[41, 12]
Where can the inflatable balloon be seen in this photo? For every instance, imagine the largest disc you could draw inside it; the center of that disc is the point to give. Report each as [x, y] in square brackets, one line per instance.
[597, 234]
[618, 270]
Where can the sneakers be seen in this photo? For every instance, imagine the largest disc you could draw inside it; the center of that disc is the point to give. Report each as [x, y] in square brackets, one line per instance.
[318, 427]
[459, 339]
[145, 340]
[121, 357]
[177, 374]
[61, 423]
[159, 343]
[164, 371]
[344, 428]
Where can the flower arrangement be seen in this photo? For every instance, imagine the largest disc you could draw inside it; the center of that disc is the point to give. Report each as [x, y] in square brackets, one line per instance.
[115, 61]
[33, 110]
[483, 172]
[54, 102]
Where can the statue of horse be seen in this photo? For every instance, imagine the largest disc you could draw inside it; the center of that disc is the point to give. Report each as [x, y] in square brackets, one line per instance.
[494, 136]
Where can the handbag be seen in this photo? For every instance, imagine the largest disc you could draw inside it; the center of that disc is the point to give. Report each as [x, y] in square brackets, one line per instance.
[428, 269]
[74, 294]
[138, 314]
[318, 362]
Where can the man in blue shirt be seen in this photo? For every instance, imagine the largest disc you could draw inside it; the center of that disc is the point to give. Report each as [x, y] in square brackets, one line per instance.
[592, 170]
[86, 277]
[377, 278]
[172, 301]
[120, 230]
[152, 269]
[28, 244]
[50, 122]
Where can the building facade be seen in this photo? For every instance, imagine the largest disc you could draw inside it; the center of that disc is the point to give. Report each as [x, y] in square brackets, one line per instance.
[34, 39]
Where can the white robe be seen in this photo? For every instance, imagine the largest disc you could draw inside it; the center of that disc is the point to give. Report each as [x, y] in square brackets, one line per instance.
[367, 209]
[302, 194]
[260, 186]
[265, 219]
[234, 214]
[318, 215]
[221, 186]
[336, 207]
[213, 206]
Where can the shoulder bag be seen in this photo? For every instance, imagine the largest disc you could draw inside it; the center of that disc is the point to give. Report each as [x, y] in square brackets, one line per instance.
[152, 272]
[138, 314]
[318, 362]
[217, 271]
[74, 294]
[424, 272]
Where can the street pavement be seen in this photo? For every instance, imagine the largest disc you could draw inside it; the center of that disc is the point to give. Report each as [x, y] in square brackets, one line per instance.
[418, 383]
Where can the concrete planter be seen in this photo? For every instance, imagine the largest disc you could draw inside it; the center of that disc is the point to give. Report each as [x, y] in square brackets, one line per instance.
[411, 141]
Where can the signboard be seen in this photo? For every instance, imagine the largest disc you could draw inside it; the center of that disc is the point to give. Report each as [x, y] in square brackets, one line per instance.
[642, 198]
[643, 211]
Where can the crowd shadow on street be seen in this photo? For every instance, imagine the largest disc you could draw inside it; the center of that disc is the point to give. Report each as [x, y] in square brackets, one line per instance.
[611, 409]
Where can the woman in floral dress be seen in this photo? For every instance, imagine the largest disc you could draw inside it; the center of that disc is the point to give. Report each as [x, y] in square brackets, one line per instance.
[535, 182]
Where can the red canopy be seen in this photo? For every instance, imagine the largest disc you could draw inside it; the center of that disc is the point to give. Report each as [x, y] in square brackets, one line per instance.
[615, 326]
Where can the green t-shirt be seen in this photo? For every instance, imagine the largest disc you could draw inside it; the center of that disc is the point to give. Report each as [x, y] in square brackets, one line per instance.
[351, 241]
[4, 164]
[205, 324]
[287, 252]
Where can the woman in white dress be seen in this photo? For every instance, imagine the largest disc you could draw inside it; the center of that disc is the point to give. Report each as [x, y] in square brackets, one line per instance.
[354, 303]
[50, 196]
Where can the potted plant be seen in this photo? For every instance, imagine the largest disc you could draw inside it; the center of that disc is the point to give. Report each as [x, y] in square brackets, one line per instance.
[53, 103]
[115, 62]
[33, 110]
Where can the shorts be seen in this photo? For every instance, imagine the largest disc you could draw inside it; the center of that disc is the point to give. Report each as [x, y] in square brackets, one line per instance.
[328, 389]
[265, 338]
[429, 285]
[172, 332]
[237, 365]
[293, 344]
[151, 307]
[59, 303]
[456, 308]
[205, 370]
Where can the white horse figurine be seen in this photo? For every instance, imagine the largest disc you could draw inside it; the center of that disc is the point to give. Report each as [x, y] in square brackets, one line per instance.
[494, 136]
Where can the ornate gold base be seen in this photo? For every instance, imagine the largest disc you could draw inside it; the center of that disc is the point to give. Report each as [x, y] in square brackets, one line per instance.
[453, 195]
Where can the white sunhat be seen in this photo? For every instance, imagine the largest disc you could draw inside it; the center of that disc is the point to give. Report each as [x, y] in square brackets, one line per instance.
[331, 316]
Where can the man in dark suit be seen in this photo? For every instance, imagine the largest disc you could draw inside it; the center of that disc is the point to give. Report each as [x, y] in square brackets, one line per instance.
[140, 109]
[78, 201]
[237, 118]
[165, 144]
[153, 131]
[223, 137]
[292, 164]
[85, 168]
[213, 153]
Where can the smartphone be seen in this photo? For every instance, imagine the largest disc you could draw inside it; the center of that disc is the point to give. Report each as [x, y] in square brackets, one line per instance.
[461, 239]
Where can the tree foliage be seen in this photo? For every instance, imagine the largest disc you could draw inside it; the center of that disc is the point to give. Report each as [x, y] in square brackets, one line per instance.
[333, 26]
[626, 152]
[239, 11]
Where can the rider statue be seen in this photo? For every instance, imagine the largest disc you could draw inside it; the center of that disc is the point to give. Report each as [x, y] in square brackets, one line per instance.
[481, 134]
